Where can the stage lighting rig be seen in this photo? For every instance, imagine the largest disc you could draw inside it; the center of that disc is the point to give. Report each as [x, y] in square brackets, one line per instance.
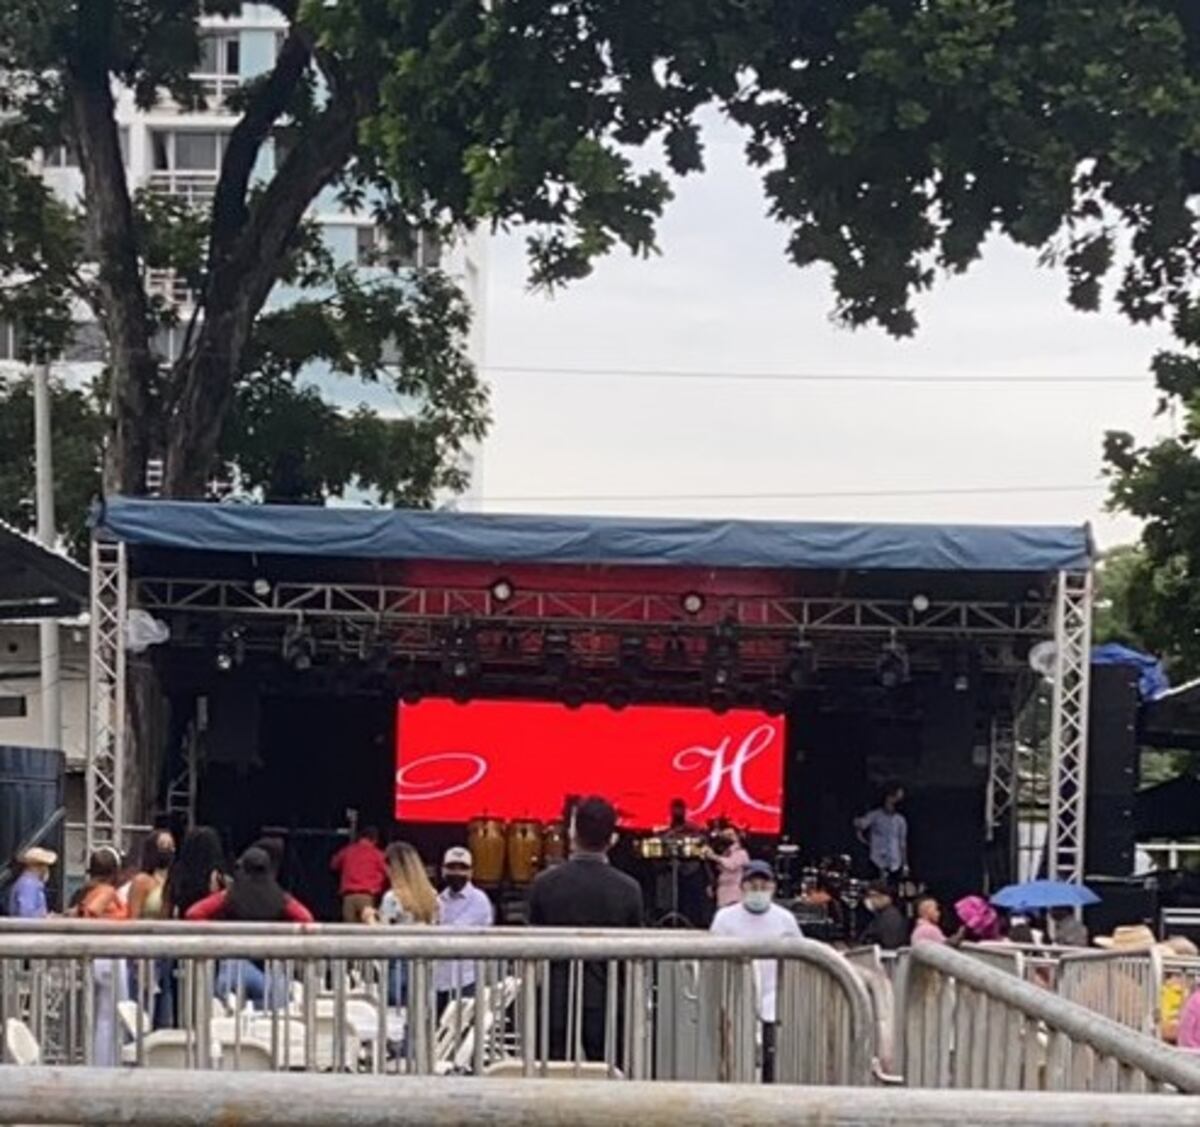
[692, 602]
[802, 663]
[299, 647]
[502, 590]
[632, 655]
[231, 649]
[556, 653]
[892, 667]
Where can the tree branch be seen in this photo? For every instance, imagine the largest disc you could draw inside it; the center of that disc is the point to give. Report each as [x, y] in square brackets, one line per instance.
[265, 108]
[238, 286]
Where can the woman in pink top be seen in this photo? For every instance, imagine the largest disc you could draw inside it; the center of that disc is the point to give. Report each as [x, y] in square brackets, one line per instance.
[1188, 1035]
[730, 858]
[929, 916]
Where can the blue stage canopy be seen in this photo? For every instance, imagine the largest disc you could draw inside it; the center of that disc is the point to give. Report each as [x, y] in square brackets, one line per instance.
[297, 530]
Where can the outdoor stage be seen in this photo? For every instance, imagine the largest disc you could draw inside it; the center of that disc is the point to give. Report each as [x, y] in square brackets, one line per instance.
[432, 667]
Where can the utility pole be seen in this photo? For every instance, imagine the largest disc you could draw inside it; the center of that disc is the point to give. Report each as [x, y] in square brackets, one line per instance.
[47, 535]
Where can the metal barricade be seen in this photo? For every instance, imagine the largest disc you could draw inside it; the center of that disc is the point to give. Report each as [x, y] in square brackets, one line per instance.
[142, 1098]
[631, 1005]
[969, 1025]
[1120, 985]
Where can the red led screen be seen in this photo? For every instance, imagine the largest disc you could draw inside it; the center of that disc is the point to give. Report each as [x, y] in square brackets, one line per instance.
[518, 759]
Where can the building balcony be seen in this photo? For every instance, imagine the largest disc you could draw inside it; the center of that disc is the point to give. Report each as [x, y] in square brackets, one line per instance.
[196, 189]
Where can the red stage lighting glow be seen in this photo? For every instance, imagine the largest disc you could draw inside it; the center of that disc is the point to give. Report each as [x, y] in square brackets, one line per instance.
[519, 759]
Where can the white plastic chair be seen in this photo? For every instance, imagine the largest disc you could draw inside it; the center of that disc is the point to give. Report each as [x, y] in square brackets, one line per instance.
[128, 1013]
[555, 1070]
[20, 1045]
[173, 1048]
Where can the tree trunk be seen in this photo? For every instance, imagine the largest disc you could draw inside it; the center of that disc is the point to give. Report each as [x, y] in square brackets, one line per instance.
[132, 365]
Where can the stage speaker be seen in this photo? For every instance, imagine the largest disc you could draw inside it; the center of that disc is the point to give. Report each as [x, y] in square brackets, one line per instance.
[1109, 830]
[1123, 900]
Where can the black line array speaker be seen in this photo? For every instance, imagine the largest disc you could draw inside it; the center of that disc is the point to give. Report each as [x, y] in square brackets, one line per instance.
[1112, 771]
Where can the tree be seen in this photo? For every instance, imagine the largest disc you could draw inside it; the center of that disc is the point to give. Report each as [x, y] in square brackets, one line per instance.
[894, 136]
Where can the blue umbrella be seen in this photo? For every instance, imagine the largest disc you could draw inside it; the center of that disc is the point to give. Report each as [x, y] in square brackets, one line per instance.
[1044, 894]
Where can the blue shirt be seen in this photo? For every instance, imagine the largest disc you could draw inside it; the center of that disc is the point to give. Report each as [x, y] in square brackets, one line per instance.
[469, 908]
[27, 898]
[887, 838]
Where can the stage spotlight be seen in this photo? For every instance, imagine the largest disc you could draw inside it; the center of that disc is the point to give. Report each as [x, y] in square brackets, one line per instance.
[802, 664]
[618, 696]
[675, 651]
[573, 694]
[962, 683]
[556, 652]
[774, 700]
[299, 647]
[692, 602]
[502, 590]
[920, 603]
[632, 655]
[231, 650]
[892, 669]
[261, 587]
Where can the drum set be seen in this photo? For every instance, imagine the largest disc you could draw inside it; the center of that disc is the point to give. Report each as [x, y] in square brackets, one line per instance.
[516, 851]
[825, 897]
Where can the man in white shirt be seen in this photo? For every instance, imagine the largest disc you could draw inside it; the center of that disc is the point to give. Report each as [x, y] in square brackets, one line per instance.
[759, 917]
[460, 904]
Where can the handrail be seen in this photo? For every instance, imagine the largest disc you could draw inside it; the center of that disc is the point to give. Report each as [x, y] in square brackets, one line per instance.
[418, 943]
[1084, 1026]
[163, 1098]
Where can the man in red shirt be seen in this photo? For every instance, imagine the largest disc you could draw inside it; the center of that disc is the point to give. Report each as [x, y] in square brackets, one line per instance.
[362, 874]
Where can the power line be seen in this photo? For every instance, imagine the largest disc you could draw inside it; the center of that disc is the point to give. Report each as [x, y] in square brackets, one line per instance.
[812, 377]
[814, 495]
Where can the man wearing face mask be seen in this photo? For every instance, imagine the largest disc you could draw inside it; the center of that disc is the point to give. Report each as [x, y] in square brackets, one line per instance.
[460, 904]
[759, 917]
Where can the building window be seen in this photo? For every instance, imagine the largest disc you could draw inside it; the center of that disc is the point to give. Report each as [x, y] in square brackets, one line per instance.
[375, 247]
[13, 708]
[86, 345]
[60, 156]
[186, 150]
[220, 55]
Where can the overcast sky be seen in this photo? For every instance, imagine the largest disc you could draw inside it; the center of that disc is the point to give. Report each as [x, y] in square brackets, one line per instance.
[722, 297]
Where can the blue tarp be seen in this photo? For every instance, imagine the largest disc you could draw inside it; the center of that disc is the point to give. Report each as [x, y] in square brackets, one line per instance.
[1152, 677]
[407, 534]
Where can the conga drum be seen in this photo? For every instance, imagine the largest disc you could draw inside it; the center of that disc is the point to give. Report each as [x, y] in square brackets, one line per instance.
[485, 839]
[524, 850]
[554, 844]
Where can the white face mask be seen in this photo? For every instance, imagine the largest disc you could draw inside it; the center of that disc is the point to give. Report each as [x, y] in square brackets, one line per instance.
[756, 900]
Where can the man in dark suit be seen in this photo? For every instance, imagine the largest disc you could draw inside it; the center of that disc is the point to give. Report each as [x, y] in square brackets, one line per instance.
[586, 891]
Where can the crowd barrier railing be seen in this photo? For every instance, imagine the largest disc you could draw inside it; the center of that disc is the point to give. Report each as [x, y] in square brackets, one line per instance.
[1123, 986]
[970, 1025]
[524, 1002]
[185, 1099]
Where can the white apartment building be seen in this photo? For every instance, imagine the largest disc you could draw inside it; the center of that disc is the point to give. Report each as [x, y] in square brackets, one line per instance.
[178, 152]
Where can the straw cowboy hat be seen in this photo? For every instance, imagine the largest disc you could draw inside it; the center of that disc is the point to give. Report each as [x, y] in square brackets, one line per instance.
[1139, 937]
[38, 856]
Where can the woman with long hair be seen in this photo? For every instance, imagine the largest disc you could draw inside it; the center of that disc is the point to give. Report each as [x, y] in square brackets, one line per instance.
[199, 871]
[410, 900]
[253, 897]
[146, 903]
[146, 889]
[99, 901]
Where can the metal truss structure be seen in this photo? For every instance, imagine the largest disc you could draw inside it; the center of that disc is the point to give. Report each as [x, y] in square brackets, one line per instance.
[1069, 725]
[414, 622]
[386, 604]
[1002, 799]
[105, 819]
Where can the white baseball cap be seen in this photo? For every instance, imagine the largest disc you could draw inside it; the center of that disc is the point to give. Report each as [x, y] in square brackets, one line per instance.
[457, 855]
